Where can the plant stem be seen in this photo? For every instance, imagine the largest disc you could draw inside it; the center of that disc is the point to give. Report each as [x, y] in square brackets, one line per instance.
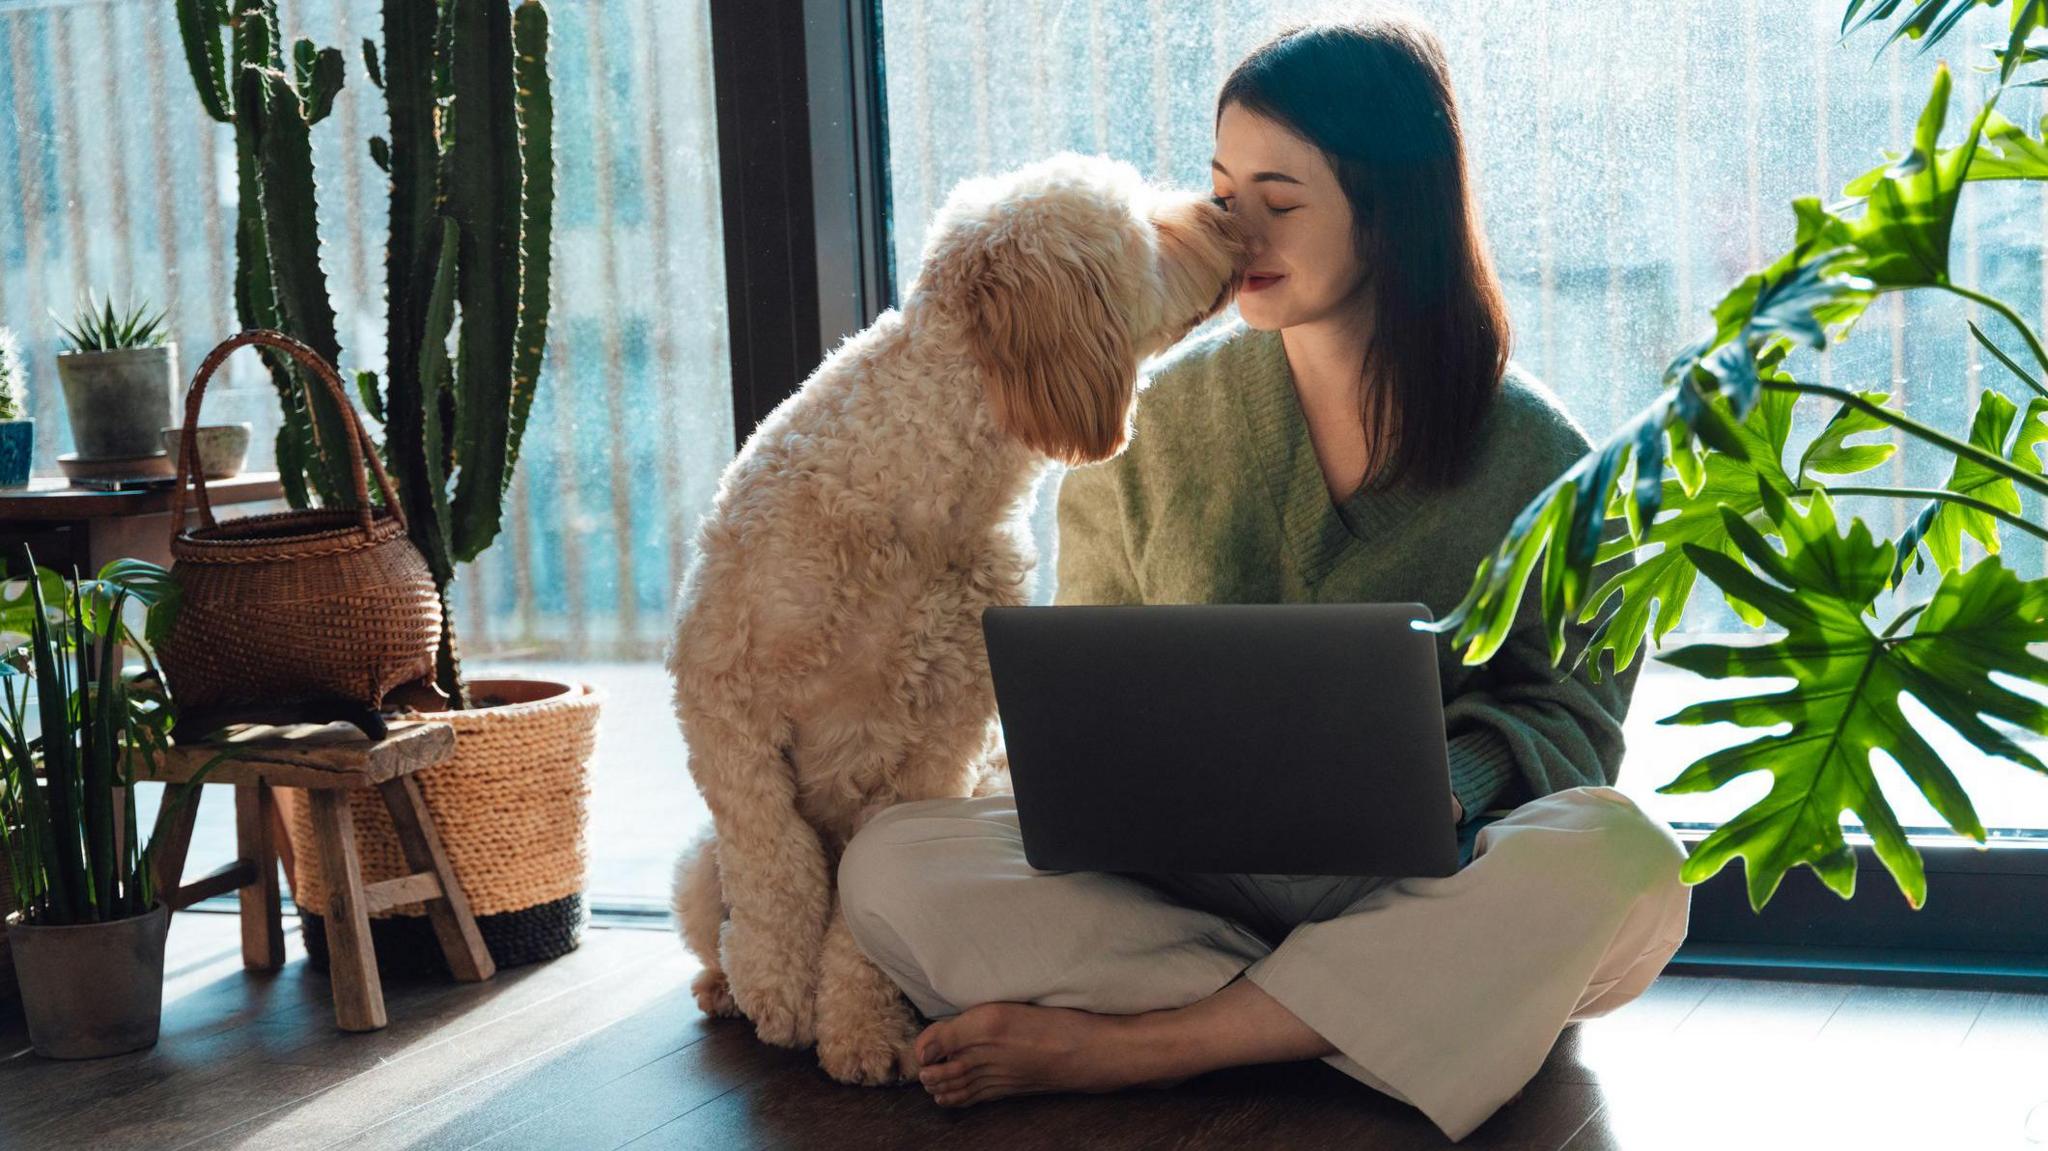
[1990, 462]
[2011, 317]
[1931, 494]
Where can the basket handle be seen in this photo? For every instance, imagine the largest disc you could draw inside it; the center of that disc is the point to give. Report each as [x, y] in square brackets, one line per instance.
[359, 444]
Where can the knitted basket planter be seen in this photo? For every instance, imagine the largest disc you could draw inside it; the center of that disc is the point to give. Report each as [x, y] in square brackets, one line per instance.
[511, 808]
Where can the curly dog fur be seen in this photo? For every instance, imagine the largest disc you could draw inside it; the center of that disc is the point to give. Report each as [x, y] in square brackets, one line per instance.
[828, 656]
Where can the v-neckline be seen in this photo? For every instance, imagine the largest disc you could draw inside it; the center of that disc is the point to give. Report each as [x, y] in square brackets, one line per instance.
[1318, 528]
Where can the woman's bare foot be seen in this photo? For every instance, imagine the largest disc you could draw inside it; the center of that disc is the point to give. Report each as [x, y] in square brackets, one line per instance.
[1000, 1049]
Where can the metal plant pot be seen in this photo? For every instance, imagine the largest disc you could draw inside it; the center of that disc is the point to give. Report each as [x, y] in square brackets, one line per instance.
[92, 989]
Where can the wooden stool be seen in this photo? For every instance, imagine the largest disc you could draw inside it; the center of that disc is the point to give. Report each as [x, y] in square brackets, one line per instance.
[327, 761]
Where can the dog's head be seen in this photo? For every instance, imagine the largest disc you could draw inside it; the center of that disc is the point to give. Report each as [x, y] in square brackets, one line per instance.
[1065, 275]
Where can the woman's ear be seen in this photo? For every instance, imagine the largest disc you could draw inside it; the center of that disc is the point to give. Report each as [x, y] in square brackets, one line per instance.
[1056, 355]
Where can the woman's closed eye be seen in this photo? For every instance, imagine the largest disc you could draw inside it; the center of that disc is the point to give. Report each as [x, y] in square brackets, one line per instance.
[1229, 204]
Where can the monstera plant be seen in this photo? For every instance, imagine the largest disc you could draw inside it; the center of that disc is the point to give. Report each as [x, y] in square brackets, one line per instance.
[1700, 480]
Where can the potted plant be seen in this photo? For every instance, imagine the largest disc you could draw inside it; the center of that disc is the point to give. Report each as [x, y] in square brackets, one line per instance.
[1856, 637]
[17, 431]
[88, 935]
[467, 258]
[120, 380]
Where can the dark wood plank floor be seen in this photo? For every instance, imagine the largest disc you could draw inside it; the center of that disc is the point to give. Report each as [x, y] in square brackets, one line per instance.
[605, 1048]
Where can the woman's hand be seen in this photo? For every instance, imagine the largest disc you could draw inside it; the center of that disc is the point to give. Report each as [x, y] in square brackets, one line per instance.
[1457, 812]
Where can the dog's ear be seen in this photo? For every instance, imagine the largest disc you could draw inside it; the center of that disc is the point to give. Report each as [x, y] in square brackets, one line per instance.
[1056, 353]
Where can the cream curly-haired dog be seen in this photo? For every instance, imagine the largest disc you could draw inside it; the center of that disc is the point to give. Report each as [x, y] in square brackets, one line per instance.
[828, 654]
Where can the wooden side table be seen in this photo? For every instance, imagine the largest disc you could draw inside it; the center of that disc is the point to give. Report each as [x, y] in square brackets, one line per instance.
[327, 761]
[71, 527]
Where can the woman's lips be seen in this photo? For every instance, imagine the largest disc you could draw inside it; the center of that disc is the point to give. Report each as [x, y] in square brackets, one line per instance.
[1259, 283]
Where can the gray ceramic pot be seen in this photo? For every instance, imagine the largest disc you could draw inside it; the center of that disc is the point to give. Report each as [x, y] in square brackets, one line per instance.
[94, 989]
[119, 402]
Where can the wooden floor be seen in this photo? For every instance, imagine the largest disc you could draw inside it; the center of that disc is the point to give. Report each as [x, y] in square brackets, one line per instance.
[604, 1048]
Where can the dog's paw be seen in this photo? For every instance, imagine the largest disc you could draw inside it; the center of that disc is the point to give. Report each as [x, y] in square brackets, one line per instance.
[714, 995]
[780, 1020]
[877, 1053]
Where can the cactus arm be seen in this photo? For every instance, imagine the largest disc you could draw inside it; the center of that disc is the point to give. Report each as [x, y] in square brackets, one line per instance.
[415, 250]
[284, 154]
[316, 76]
[372, 395]
[483, 188]
[434, 370]
[537, 210]
[199, 24]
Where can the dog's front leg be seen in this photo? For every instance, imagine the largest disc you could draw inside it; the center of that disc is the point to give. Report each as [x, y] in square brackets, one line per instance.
[772, 868]
[865, 1027]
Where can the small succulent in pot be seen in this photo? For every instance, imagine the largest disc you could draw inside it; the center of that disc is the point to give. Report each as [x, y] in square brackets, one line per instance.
[120, 379]
[17, 431]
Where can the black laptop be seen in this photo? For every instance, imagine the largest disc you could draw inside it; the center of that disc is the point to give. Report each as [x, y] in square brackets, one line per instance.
[1300, 739]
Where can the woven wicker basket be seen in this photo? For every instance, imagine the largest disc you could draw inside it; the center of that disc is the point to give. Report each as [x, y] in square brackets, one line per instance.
[511, 809]
[308, 609]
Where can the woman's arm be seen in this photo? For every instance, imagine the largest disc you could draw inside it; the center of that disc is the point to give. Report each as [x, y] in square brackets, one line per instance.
[1093, 564]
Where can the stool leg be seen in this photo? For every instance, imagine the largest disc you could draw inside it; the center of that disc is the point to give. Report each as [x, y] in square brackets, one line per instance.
[171, 839]
[351, 962]
[454, 926]
[262, 917]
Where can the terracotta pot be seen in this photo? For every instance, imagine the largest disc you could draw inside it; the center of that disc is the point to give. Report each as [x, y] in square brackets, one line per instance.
[92, 989]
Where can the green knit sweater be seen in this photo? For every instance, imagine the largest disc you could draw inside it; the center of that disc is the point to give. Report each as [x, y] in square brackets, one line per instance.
[1220, 499]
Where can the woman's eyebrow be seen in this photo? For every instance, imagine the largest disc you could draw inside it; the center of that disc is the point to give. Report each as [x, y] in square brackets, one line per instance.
[1260, 177]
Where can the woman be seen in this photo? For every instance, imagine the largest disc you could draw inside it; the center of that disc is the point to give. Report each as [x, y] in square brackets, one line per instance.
[1358, 436]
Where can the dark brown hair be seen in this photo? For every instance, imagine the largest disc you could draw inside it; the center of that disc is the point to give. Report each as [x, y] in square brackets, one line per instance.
[1374, 95]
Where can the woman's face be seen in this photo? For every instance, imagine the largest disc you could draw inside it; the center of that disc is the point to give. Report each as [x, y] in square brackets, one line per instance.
[1304, 264]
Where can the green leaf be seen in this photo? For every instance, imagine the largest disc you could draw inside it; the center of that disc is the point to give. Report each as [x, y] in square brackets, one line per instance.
[1942, 525]
[1566, 519]
[1831, 454]
[1909, 206]
[1844, 701]
[1815, 286]
[1664, 580]
[2018, 372]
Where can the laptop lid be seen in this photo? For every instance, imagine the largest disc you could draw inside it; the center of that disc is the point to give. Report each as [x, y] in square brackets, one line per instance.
[1245, 738]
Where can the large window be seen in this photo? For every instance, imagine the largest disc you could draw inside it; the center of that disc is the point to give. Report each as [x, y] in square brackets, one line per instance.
[115, 178]
[1633, 161]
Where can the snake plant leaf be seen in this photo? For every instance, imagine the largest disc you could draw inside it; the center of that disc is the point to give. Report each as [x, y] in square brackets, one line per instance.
[1844, 701]
[1831, 454]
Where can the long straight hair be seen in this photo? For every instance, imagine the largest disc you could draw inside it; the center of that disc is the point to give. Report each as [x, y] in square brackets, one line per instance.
[1374, 95]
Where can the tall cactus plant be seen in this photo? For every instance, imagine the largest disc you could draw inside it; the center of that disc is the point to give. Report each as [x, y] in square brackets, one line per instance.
[471, 161]
[278, 279]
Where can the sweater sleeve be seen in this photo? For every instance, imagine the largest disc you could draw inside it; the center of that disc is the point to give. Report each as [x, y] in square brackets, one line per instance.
[1523, 728]
[1093, 566]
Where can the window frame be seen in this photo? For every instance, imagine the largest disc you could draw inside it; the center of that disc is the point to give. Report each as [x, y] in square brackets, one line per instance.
[803, 152]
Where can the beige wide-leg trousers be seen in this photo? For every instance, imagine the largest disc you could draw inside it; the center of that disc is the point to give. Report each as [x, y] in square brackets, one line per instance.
[1445, 993]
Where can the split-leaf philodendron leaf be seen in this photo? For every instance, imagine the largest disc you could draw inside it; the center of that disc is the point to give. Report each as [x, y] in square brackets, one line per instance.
[1848, 678]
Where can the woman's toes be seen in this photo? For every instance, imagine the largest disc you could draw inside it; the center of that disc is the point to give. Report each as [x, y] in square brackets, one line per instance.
[938, 1042]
